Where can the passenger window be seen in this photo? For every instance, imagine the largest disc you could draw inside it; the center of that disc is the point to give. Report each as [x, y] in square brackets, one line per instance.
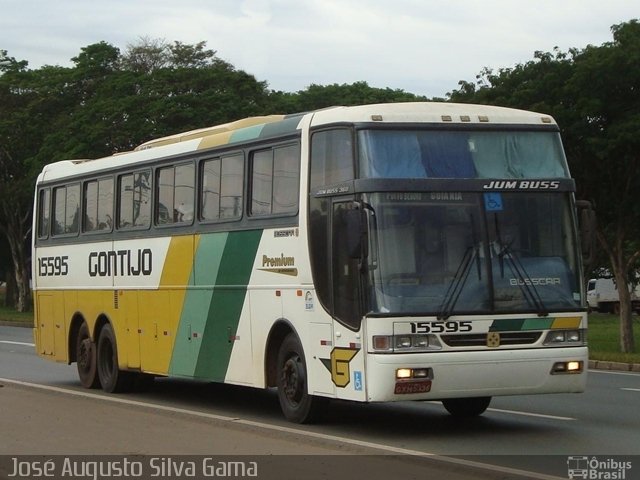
[175, 195]
[134, 193]
[275, 180]
[98, 205]
[43, 213]
[221, 194]
[66, 210]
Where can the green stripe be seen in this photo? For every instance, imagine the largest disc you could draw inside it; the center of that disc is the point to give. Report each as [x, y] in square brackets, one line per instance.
[508, 325]
[521, 324]
[247, 133]
[226, 304]
[196, 303]
[538, 323]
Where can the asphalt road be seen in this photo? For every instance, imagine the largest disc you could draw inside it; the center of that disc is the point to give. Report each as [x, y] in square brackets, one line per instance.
[529, 433]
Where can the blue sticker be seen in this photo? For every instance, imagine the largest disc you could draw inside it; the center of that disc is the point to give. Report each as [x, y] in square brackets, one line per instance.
[357, 380]
[493, 202]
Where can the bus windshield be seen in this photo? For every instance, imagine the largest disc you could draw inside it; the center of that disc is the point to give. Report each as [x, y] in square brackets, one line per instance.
[446, 253]
[461, 154]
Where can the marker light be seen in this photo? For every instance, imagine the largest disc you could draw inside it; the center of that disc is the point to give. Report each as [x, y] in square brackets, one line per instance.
[382, 343]
[403, 373]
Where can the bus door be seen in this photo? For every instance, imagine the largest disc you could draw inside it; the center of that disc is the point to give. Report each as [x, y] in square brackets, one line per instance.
[348, 252]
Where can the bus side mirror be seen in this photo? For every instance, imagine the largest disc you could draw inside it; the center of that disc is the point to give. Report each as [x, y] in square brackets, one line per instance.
[587, 224]
[356, 232]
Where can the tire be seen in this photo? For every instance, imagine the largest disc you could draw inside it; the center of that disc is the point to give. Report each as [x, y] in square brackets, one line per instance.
[296, 403]
[466, 407]
[112, 379]
[86, 358]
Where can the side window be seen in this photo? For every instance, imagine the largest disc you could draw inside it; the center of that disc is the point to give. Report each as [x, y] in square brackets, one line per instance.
[331, 157]
[98, 205]
[261, 182]
[275, 179]
[175, 187]
[44, 199]
[221, 194]
[134, 200]
[210, 193]
[66, 210]
[286, 179]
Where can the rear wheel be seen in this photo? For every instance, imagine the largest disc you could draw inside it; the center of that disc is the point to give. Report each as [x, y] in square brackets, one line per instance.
[111, 377]
[466, 407]
[296, 403]
[86, 358]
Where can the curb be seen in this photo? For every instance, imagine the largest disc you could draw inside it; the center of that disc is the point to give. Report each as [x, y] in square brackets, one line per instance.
[614, 366]
[6, 323]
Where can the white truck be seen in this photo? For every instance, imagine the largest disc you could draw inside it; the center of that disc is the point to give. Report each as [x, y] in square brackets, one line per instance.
[602, 296]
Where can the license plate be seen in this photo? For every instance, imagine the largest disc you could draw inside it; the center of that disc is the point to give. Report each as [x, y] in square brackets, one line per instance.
[421, 386]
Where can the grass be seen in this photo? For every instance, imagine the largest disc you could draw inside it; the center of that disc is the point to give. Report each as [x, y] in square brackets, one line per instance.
[8, 314]
[604, 339]
[604, 335]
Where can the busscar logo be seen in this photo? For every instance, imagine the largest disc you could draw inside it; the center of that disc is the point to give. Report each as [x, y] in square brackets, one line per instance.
[536, 282]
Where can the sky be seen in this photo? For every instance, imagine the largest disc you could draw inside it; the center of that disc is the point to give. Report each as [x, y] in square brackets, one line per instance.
[424, 47]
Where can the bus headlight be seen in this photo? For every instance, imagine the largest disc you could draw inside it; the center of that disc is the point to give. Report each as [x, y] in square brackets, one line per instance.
[409, 343]
[565, 337]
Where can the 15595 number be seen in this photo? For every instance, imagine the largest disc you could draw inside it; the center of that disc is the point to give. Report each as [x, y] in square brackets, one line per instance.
[53, 266]
[441, 327]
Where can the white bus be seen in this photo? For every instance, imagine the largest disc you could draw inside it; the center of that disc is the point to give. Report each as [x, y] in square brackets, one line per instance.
[377, 253]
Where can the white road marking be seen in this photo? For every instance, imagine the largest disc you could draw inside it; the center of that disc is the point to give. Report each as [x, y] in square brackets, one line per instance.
[518, 412]
[290, 430]
[609, 372]
[631, 389]
[18, 343]
[529, 414]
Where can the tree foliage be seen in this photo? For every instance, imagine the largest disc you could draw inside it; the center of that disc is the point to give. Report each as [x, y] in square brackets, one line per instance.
[110, 101]
[594, 94]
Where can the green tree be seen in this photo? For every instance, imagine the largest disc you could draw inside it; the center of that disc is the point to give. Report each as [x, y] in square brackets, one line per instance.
[16, 188]
[594, 94]
[322, 96]
[105, 103]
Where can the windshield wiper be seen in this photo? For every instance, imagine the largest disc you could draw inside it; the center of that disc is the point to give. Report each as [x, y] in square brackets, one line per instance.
[522, 277]
[456, 286]
[457, 283]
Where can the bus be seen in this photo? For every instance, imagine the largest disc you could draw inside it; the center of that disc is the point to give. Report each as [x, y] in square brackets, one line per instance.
[377, 253]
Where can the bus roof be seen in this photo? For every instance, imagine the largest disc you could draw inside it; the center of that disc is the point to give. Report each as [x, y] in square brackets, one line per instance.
[431, 112]
[254, 128]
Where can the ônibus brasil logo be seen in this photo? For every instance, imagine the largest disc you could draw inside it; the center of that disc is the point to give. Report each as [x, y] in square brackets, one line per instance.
[594, 468]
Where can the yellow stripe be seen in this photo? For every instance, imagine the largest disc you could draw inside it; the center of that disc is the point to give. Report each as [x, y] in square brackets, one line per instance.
[159, 310]
[566, 322]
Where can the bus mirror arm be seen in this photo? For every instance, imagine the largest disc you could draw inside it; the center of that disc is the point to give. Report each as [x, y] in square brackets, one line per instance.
[587, 222]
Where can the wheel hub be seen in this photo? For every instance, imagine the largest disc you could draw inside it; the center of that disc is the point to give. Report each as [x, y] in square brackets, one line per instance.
[293, 380]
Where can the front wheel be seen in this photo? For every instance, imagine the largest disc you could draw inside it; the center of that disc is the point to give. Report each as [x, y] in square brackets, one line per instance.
[296, 403]
[86, 358]
[111, 377]
[466, 407]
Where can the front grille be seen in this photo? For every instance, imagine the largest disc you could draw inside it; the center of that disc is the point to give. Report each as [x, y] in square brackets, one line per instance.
[480, 339]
